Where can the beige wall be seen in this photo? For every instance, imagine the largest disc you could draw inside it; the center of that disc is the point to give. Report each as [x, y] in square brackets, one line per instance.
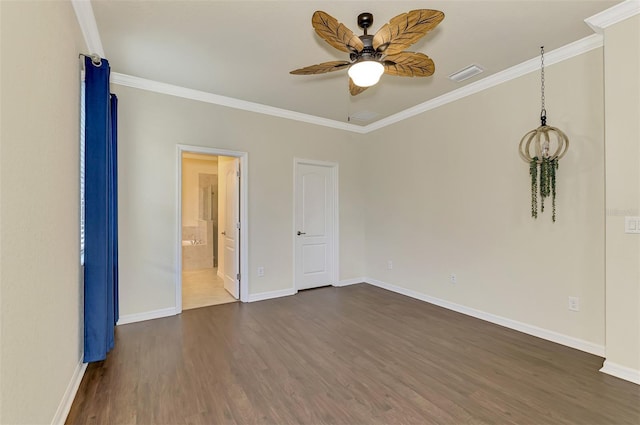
[448, 193]
[41, 295]
[150, 126]
[622, 111]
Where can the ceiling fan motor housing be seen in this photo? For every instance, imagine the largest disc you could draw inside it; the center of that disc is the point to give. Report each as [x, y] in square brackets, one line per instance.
[367, 52]
[365, 20]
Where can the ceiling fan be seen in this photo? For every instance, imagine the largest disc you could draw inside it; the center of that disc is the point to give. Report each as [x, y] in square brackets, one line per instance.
[372, 55]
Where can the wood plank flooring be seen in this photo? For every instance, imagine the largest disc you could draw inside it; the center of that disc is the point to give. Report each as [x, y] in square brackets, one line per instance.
[352, 355]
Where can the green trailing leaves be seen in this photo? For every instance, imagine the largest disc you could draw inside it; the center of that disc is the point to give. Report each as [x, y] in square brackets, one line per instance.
[533, 171]
[543, 184]
[554, 167]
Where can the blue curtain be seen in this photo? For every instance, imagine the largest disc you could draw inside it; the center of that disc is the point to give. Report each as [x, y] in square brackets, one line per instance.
[101, 213]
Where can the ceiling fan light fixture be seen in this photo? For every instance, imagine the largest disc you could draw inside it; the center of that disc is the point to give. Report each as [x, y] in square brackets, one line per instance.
[370, 56]
[366, 73]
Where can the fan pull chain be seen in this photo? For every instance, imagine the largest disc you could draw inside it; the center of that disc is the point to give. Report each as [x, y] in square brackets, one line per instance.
[348, 96]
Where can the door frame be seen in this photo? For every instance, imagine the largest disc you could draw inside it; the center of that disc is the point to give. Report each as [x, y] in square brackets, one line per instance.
[243, 215]
[334, 259]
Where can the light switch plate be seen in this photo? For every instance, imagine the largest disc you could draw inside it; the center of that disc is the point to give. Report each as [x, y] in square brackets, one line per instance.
[632, 224]
[574, 303]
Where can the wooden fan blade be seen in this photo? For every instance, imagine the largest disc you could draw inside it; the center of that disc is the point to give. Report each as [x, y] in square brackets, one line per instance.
[409, 64]
[321, 68]
[335, 33]
[404, 30]
[355, 90]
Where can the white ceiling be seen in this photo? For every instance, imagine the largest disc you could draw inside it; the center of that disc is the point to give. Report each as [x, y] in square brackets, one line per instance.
[245, 49]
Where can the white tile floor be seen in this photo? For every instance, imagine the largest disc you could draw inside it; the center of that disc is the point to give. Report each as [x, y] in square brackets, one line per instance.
[203, 287]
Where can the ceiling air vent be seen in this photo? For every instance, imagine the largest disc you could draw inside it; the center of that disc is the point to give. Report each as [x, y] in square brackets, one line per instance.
[363, 116]
[466, 73]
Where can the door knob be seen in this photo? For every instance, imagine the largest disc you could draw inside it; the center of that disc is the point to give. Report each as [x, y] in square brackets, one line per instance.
[223, 233]
[301, 233]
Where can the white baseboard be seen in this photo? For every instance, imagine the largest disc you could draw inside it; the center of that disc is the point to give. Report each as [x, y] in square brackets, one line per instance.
[556, 337]
[147, 315]
[347, 282]
[622, 372]
[69, 395]
[549, 335]
[272, 294]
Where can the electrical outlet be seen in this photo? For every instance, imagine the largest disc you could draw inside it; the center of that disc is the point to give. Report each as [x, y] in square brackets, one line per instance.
[260, 271]
[632, 224]
[453, 278]
[574, 303]
[390, 264]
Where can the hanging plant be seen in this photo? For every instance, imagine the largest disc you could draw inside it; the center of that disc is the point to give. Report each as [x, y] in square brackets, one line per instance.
[533, 171]
[543, 176]
[543, 164]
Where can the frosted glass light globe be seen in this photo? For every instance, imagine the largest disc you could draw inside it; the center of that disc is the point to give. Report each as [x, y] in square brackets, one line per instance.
[366, 73]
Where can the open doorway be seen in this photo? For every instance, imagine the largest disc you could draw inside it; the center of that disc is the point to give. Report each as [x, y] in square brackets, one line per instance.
[210, 211]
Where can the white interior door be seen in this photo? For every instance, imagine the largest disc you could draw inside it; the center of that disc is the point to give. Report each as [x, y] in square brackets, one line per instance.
[314, 225]
[229, 181]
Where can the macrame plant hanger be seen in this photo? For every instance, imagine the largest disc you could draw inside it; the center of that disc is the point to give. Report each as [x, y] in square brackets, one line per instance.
[542, 148]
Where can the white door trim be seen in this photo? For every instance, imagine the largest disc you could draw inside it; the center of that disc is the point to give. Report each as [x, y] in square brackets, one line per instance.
[336, 232]
[244, 219]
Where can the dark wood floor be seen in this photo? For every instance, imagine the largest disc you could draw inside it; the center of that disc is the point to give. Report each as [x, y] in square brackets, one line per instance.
[353, 355]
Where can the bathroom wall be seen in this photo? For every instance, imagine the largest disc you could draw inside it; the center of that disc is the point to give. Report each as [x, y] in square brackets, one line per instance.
[192, 166]
[199, 211]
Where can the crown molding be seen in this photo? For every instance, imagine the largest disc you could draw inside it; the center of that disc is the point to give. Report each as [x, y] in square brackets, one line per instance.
[201, 96]
[86, 19]
[88, 25]
[576, 48]
[613, 15]
[563, 53]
